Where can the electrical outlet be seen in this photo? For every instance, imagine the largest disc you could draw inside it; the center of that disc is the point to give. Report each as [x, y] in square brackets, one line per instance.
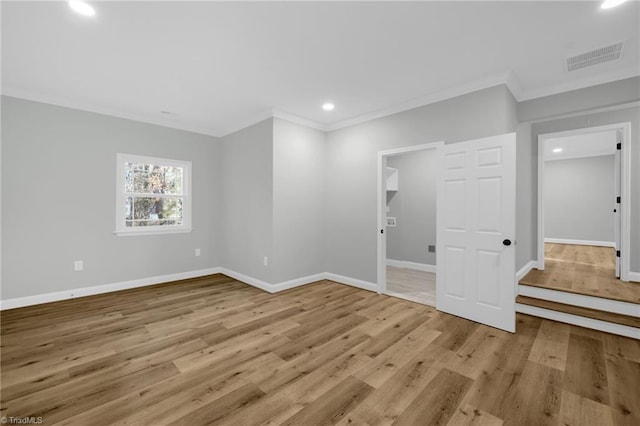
[197, 252]
[78, 265]
[266, 261]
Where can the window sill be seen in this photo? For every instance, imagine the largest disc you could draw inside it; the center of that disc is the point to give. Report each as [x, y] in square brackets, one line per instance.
[152, 232]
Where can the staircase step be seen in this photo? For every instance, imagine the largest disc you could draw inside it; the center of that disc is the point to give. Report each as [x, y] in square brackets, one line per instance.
[615, 318]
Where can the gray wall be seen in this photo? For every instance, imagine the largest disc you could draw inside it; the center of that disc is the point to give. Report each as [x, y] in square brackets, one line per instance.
[247, 200]
[58, 192]
[526, 196]
[579, 199]
[631, 115]
[299, 199]
[352, 166]
[414, 207]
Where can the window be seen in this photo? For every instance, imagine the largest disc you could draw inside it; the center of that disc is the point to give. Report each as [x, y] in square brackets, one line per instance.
[153, 195]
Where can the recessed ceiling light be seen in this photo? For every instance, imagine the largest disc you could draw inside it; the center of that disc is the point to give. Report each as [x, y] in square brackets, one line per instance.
[608, 4]
[557, 149]
[328, 106]
[83, 8]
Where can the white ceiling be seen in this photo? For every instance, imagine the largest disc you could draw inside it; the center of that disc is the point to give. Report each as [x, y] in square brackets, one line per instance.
[580, 146]
[218, 67]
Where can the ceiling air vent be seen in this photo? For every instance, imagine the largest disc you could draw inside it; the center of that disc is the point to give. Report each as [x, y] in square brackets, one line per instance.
[594, 57]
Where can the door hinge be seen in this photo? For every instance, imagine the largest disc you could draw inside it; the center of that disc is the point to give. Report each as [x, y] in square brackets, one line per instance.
[618, 200]
[617, 253]
[619, 145]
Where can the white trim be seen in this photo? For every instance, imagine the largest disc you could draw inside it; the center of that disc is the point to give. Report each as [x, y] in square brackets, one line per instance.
[121, 195]
[273, 288]
[581, 113]
[19, 302]
[411, 265]
[254, 282]
[354, 282]
[625, 182]
[431, 98]
[573, 84]
[634, 276]
[581, 242]
[520, 274]
[161, 279]
[579, 156]
[282, 115]
[117, 113]
[619, 329]
[599, 303]
[408, 297]
[382, 201]
[243, 123]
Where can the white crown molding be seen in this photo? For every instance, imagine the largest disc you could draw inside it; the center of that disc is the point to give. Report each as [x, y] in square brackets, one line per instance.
[432, 98]
[512, 82]
[299, 120]
[68, 103]
[508, 78]
[245, 122]
[621, 74]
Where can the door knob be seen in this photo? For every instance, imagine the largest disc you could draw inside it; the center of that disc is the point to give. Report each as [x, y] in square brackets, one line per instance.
[506, 242]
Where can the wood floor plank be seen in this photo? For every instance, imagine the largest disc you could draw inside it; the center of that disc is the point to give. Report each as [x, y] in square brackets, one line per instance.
[438, 401]
[586, 373]
[332, 405]
[624, 389]
[522, 408]
[551, 345]
[467, 415]
[213, 350]
[385, 404]
[578, 411]
[582, 269]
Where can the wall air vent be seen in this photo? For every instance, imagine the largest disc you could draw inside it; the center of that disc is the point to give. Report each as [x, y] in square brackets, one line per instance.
[595, 56]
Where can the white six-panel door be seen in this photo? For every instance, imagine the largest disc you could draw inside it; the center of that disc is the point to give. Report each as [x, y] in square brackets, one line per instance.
[476, 215]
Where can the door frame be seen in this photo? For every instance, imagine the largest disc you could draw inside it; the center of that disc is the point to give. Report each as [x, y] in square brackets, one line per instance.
[624, 129]
[382, 205]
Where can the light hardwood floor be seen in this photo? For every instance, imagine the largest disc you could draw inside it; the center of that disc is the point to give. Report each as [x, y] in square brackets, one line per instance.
[585, 270]
[411, 284]
[216, 351]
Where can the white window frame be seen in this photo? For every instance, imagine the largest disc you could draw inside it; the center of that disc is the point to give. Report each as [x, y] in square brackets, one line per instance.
[121, 195]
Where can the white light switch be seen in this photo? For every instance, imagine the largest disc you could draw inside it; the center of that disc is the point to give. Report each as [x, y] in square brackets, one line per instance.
[266, 261]
[78, 265]
[197, 252]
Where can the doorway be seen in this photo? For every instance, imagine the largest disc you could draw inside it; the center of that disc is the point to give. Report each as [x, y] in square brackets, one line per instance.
[583, 210]
[407, 217]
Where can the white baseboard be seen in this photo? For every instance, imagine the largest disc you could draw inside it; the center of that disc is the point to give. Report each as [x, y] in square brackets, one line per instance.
[412, 265]
[581, 242]
[634, 276]
[354, 282]
[619, 329]
[125, 285]
[273, 288]
[19, 302]
[525, 270]
[601, 304]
